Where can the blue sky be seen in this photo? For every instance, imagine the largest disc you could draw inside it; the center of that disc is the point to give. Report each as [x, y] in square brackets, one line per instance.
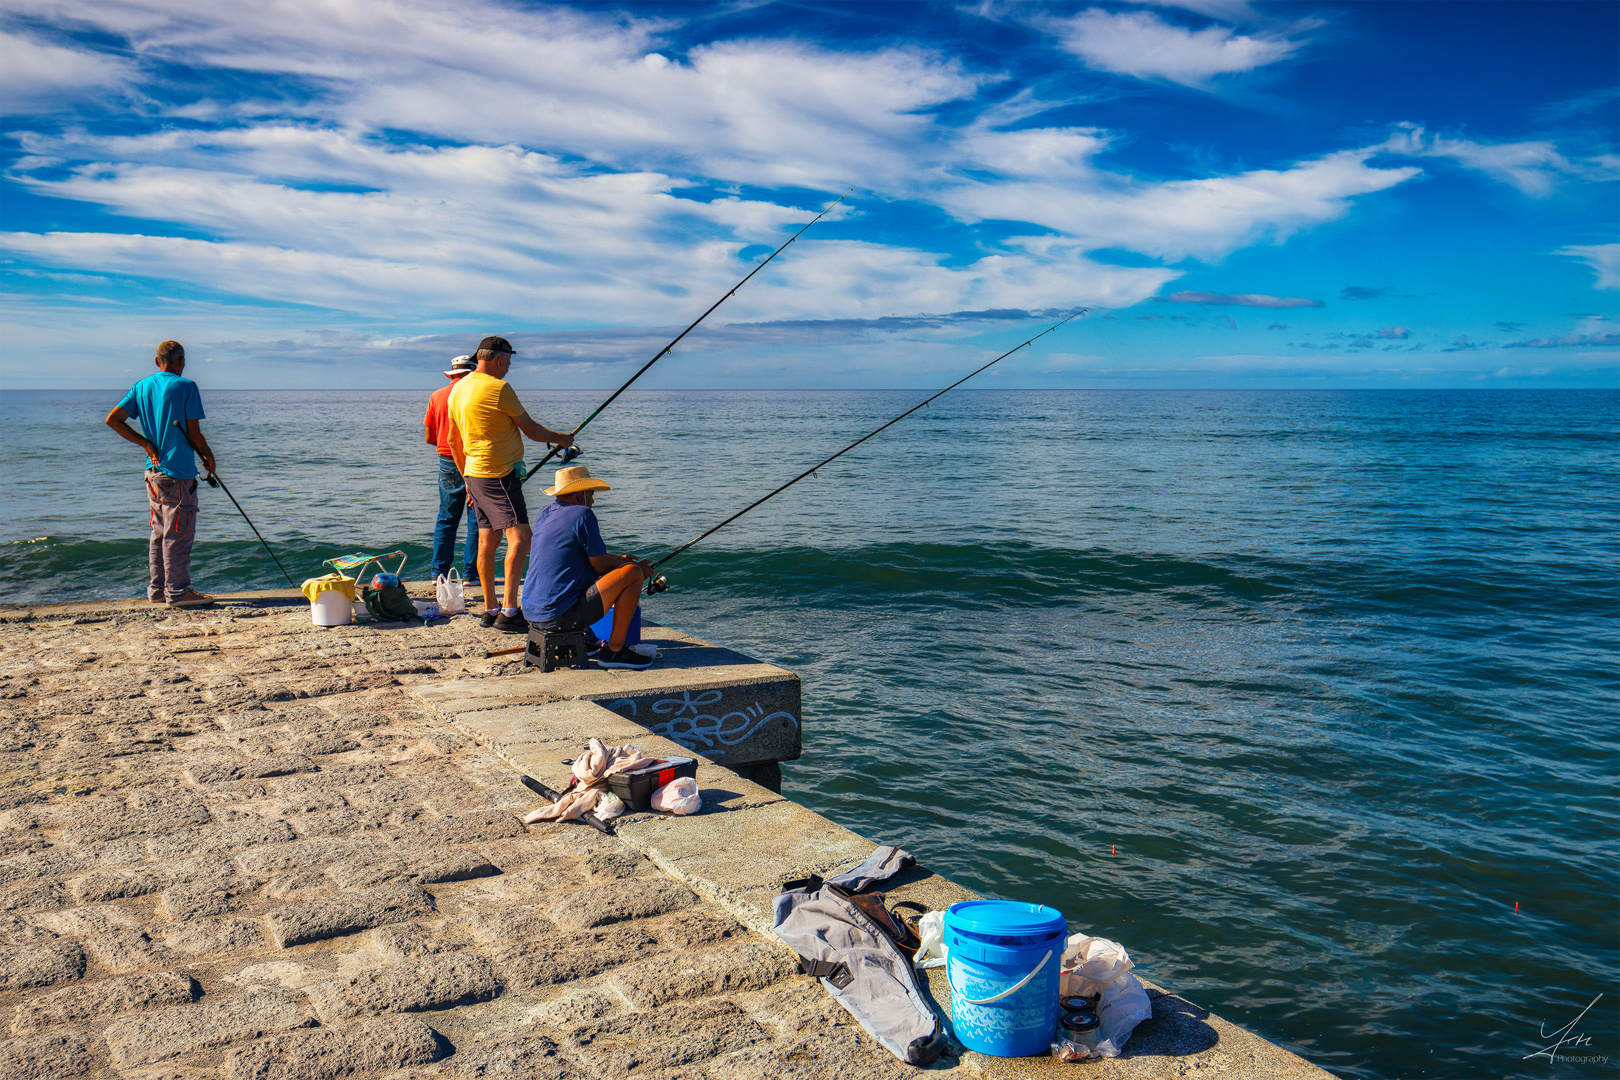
[346, 193]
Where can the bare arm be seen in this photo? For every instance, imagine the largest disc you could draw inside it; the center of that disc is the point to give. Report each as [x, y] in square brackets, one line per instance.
[540, 433]
[604, 564]
[118, 421]
[194, 429]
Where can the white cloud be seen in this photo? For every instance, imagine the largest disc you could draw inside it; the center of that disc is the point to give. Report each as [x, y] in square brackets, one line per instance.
[1604, 258]
[36, 76]
[1240, 299]
[1534, 168]
[1142, 45]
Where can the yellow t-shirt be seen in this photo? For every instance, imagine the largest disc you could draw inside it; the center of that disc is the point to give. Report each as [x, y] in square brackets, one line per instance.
[484, 409]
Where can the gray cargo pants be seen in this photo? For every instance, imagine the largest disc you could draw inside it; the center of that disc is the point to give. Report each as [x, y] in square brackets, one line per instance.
[174, 527]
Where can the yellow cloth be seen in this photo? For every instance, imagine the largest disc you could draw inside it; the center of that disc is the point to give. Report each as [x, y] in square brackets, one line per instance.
[317, 585]
[484, 409]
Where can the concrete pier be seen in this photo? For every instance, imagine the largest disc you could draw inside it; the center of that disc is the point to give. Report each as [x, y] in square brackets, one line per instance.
[233, 844]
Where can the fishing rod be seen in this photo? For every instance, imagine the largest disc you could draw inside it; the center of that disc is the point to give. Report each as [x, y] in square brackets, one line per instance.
[658, 583]
[733, 292]
[215, 481]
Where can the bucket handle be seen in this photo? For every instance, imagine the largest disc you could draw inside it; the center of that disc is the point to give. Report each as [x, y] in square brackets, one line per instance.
[1005, 993]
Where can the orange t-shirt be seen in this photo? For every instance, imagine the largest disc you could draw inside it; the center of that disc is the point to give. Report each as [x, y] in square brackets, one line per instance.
[437, 420]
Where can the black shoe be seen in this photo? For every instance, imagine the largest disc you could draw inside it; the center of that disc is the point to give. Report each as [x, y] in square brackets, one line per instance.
[490, 617]
[624, 658]
[512, 624]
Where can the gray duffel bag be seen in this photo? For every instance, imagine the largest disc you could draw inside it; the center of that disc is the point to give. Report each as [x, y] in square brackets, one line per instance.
[857, 962]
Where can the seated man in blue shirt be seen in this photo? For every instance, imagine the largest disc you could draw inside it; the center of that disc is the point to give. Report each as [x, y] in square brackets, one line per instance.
[572, 580]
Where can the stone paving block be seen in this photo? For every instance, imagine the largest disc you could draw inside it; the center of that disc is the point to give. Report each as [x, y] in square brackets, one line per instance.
[328, 1054]
[26, 966]
[156, 819]
[347, 820]
[359, 872]
[527, 963]
[32, 896]
[101, 886]
[575, 1007]
[503, 1056]
[157, 1036]
[298, 854]
[408, 941]
[702, 973]
[414, 986]
[48, 1056]
[316, 920]
[215, 937]
[325, 746]
[112, 935]
[605, 904]
[104, 999]
[196, 901]
[689, 929]
[471, 828]
[225, 837]
[678, 1035]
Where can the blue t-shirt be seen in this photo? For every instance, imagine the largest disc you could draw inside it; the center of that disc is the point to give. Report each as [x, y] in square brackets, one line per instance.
[565, 537]
[158, 401]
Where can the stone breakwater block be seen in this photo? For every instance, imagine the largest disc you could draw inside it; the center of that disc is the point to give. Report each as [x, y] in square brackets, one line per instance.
[605, 904]
[525, 963]
[680, 1035]
[27, 966]
[329, 917]
[702, 973]
[436, 983]
[144, 1038]
[53, 1055]
[230, 836]
[104, 999]
[327, 1054]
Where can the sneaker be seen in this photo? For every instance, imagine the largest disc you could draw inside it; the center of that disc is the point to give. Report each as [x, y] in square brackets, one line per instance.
[490, 617]
[624, 658]
[191, 598]
[512, 624]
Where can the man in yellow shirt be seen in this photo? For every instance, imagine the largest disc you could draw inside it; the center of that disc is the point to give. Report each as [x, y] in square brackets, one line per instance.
[487, 425]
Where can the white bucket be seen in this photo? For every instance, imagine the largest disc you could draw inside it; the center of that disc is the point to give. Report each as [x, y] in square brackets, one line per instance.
[331, 608]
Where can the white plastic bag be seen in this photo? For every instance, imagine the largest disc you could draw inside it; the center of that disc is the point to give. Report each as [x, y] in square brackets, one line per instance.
[608, 806]
[931, 930]
[679, 796]
[1094, 965]
[452, 595]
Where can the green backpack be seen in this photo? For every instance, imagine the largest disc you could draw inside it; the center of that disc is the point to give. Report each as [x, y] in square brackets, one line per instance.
[386, 600]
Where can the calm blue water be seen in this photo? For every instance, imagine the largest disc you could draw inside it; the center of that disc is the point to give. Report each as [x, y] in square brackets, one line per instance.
[1296, 694]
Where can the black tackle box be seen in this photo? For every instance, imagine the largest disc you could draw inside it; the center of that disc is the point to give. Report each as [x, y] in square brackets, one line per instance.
[637, 786]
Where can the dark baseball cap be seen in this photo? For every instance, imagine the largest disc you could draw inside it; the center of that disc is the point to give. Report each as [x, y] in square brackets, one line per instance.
[496, 344]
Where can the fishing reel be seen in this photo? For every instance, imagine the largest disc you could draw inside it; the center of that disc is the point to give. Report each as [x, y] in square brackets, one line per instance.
[568, 455]
[213, 481]
[656, 585]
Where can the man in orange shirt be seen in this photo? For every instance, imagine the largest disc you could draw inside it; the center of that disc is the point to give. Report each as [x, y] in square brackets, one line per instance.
[487, 425]
[452, 488]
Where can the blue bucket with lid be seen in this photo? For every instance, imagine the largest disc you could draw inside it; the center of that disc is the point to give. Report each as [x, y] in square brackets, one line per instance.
[1002, 958]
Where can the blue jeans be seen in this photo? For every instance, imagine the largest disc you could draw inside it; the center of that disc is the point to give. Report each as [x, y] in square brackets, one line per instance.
[452, 504]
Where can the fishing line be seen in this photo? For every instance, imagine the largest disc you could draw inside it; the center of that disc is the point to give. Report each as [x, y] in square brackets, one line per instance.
[215, 481]
[732, 292]
[658, 584]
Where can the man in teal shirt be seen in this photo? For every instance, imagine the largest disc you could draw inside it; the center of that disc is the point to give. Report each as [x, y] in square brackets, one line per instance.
[159, 401]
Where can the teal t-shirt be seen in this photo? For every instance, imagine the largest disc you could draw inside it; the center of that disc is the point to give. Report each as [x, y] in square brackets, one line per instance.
[158, 401]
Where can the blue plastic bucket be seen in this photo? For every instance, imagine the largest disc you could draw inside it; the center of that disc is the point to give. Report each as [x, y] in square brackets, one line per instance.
[1002, 959]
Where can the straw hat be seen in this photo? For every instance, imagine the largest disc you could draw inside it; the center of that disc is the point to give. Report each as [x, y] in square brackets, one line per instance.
[576, 478]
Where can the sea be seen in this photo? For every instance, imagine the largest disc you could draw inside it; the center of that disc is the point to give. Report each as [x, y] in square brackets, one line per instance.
[1308, 699]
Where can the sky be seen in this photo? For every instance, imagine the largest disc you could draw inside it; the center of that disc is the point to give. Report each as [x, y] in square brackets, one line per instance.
[348, 193]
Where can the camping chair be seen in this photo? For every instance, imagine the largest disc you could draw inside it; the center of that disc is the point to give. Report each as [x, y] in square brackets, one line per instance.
[357, 563]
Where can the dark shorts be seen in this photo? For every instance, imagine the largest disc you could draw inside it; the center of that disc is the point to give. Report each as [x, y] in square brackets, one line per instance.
[498, 500]
[586, 611]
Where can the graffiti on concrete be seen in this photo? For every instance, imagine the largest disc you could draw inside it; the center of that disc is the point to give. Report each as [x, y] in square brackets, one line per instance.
[690, 719]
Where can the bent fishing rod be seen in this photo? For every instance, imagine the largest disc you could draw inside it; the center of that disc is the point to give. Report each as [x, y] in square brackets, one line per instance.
[664, 351]
[215, 481]
[658, 584]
